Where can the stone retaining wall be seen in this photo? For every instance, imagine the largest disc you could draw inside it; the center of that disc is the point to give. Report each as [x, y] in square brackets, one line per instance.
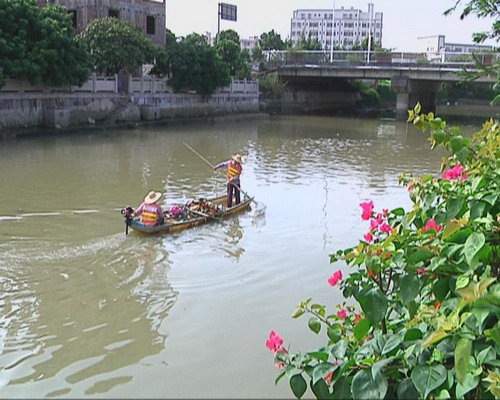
[76, 109]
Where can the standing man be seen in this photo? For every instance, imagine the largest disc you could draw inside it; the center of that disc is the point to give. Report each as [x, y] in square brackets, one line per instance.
[149, 210]
[234, 170]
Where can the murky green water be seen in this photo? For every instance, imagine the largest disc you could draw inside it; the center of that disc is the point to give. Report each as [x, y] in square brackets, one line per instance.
[86, 311]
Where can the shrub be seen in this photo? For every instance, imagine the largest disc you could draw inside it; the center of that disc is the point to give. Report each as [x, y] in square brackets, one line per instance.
[425, 288]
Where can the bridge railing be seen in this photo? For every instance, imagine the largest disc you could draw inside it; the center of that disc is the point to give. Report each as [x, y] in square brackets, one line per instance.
[275, 58]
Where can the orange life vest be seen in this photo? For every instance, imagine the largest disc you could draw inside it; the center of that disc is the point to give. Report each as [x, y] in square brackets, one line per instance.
[149, 214]
[233, 169]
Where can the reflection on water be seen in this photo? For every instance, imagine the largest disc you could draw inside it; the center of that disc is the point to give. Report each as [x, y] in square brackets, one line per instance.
[88, 311]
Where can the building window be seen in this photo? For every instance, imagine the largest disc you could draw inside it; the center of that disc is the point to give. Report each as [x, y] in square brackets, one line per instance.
[150, 25]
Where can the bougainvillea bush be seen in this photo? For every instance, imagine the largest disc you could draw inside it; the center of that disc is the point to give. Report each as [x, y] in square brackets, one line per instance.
[423, 297]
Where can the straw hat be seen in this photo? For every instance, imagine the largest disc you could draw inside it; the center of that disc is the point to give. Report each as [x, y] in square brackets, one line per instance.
[152, 197]
[238, 158]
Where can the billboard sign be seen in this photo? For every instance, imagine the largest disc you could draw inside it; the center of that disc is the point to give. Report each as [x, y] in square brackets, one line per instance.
[227, 11]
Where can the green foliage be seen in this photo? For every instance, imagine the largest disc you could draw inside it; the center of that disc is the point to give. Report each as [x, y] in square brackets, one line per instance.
[369, 95]
[271, 86]
[38, 44]
[194, 65]
[271, 41]
[426, 286]
[114, 44]
[170, 38]
[489, 9]
[229, 49]
[308, 44]
[453, 91]
[482, 9]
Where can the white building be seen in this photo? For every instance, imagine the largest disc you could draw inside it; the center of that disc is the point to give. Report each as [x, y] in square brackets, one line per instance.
[435, 46]
[249, 43]
[350, 26]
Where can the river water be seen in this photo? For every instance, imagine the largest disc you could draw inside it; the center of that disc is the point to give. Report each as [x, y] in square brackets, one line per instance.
[86, 311]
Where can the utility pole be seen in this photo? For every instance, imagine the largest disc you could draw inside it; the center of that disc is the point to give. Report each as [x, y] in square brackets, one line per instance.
[333, 31]
[370, 14]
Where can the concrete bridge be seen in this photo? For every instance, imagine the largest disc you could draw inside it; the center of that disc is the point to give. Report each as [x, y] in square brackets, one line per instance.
[415, 77]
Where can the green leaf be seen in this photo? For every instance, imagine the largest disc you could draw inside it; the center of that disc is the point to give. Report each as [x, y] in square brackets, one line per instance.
[434, 337]
[374, 304]
[477, 209]
[406, 390]
[298, 385]
[298, 312]
[314, 324]
[462, 281]
[321, 390]
[426, 378]
[441, 288]
[341, 389]
[473, 245]
[339, 349]
[321, 370]
[334, 333]
[470, 382]
[319, 355]
[280, 375]
[398, 211]
[462, 356]
[479, 182]
[453, 208]
[457, 143]
[493, 334]
[361, 329]
[384, 344]
[443, 395]
[413, 334]
[409, 288]
[365, 386]
[420, 255]
[451, 227]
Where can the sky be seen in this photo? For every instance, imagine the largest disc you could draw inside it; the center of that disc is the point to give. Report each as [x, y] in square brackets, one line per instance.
[403, 20]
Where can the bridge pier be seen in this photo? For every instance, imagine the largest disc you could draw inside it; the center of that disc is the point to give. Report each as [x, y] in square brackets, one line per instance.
[410, 92]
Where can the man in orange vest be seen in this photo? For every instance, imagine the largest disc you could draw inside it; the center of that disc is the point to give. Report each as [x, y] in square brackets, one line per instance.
[234, 170]
[149, 210]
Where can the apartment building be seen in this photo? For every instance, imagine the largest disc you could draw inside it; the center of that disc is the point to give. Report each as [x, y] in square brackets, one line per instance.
[249, 43]
[349, 26]
[149, 15]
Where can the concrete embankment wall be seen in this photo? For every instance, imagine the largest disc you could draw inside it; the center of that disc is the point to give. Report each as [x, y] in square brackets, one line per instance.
[24, 110]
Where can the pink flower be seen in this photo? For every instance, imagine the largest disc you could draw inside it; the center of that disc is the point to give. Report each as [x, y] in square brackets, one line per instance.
[275, 342]
[386, 228]
[328, 378]
[385, 212]
[367, 210]
[368, 237]
[342, 314]
[421, 271]
[335, 278]
[374, 223]
[431, 224]
[279, 365]
[455, 173]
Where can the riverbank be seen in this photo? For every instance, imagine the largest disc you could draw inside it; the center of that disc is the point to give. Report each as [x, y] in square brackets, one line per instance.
[26, 113]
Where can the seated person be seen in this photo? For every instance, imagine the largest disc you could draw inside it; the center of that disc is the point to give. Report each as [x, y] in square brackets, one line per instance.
[149, 210]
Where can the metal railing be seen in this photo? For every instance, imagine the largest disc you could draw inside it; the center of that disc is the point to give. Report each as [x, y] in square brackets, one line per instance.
[276, 58]
[146, 84]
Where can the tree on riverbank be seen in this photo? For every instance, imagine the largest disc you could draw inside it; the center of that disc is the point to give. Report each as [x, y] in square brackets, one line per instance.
[38, 44]
[192, 64]
[228, 47]
[114, 44]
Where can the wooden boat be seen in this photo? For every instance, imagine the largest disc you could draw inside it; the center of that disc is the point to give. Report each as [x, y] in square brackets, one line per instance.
[192, 216]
